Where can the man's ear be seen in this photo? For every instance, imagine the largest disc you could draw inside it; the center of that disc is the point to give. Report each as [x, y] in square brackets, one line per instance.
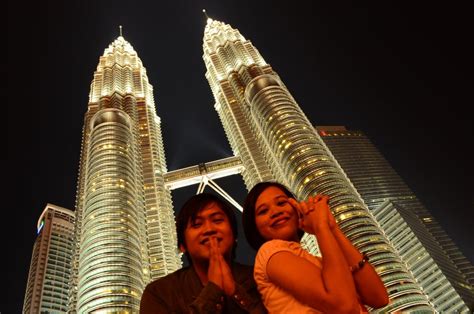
[182, 248]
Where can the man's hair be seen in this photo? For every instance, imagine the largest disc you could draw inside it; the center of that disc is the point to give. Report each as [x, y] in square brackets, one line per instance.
[193, 206]
[253, 236]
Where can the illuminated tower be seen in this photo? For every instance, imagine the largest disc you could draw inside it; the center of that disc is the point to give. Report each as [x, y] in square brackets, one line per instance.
[125, 233]
[50, 267]
[437, 264]
[275, 140]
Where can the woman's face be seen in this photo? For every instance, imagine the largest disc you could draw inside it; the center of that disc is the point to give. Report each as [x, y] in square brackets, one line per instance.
[275, 218]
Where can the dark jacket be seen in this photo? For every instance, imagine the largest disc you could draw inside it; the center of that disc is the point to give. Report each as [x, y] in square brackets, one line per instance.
[183, 292]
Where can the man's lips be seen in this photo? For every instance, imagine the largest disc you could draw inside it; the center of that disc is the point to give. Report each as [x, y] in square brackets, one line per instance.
[206, 240]
[279, 222]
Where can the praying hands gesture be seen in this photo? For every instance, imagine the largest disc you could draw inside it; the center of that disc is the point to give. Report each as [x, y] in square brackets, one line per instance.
[314, 213]
[219, 271]
[315, 217]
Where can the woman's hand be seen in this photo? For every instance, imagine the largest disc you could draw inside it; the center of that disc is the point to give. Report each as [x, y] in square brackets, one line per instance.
[314, 213]
[331, 220]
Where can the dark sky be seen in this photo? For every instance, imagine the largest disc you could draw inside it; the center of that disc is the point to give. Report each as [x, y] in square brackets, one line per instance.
[398, 73]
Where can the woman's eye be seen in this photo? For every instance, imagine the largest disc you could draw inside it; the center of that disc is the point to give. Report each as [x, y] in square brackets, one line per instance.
[281, 203]
[262, 211]
[196, 225]
[218, 220]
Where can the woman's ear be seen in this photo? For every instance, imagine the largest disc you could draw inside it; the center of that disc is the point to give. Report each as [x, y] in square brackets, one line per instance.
[301, 223]
[182, 248]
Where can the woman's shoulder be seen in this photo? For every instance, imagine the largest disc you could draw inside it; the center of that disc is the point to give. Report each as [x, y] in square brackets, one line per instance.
[269, 248]
[274, 246]
[279, 245]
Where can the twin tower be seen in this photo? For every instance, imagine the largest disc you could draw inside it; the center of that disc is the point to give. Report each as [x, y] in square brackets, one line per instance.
[125, 234]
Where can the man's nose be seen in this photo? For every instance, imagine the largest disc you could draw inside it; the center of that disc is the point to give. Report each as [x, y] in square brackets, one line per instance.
[209, 228]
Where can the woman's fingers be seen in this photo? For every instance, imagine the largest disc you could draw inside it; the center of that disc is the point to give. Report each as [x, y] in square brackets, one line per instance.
[296, 206]
[318, 198]
[304, 208]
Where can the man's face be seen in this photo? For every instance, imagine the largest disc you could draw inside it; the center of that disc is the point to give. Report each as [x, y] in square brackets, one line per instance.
[211, 221]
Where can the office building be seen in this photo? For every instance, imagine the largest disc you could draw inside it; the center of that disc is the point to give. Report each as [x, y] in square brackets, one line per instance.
[125, 231]
[268, 130]
[50, 268]
[435, 261]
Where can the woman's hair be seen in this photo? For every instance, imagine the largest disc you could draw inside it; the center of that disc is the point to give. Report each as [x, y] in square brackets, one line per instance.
[253, 236]
[191, 209]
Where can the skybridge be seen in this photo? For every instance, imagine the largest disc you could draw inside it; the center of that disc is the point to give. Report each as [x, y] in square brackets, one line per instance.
[204, 175]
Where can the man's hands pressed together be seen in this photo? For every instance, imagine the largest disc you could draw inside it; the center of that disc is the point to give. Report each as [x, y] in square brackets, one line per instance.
[219, 271]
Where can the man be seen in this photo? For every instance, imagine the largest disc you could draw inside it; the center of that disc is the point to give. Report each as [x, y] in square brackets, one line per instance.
[213, 283]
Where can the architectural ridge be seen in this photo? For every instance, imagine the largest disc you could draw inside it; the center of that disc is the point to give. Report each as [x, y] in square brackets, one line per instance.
[120, 45]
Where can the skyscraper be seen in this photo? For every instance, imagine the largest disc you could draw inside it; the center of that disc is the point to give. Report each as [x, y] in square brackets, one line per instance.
[125, 234]
[275, 140]
[50, 268]
[431, 255]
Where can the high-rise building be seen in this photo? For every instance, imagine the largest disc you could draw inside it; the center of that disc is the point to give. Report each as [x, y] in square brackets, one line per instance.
[275, 140]
[125, 231]
[437, 264]
[50, 268]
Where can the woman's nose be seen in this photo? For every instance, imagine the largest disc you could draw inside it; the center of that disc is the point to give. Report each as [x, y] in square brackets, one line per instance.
[275, 212]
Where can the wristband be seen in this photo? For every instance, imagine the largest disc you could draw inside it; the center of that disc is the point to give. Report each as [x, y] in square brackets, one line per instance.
[355, 268]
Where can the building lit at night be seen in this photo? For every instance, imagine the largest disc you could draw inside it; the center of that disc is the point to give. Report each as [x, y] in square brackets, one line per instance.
[276, 141]
[125, 235]
[434, 260]
[50, 268]
[122, 234]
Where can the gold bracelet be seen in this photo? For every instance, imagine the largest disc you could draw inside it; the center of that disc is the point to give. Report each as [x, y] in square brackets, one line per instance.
[360, 264]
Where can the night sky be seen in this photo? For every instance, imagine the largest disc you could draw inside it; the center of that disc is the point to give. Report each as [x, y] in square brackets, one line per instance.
[397, 73]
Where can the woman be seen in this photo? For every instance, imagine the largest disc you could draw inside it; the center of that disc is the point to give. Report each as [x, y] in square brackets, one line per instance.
[290, 279]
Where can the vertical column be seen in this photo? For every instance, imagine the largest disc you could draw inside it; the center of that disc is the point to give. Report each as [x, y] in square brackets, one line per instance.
[310, 168]
[110, 263]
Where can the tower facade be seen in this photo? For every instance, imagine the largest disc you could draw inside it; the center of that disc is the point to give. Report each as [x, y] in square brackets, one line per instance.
[437, 264]
[125, 234]
[50, 267]
[275, 140]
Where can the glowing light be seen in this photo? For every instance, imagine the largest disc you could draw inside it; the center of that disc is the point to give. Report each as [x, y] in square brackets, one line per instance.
[40, 227]
[209, 20]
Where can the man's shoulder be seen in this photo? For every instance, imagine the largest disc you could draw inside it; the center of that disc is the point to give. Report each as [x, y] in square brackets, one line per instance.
[171, 280]
[243, 267]
[242, 270]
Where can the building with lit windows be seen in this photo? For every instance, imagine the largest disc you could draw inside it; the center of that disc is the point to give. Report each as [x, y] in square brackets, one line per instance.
[434, 260]
[50, 268]
[125, 231]
[275, 141]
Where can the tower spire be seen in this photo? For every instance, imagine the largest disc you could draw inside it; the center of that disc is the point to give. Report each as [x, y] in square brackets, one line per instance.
[120, 29]
[208, 19]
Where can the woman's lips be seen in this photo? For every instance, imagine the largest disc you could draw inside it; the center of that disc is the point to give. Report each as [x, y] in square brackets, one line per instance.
[280, 222]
